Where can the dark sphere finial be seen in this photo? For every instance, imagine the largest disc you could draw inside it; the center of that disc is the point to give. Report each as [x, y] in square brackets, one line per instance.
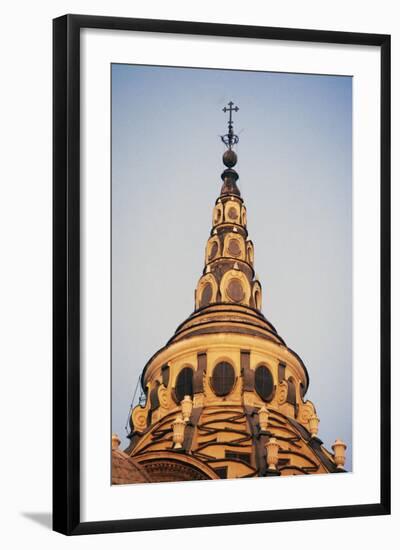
[229, 158]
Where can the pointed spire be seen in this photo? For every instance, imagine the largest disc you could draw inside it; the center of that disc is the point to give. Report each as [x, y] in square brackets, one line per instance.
[228, 273]
[230, 176]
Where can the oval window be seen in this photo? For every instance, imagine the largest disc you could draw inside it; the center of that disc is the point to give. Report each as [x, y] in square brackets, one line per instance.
[223, 378]
[206, 295]
[235, 290]
[264, 383]
[184, 384]
[232, 213]
[234, 247]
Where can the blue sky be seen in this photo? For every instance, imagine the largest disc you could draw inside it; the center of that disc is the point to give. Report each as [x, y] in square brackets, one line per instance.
[295, 168]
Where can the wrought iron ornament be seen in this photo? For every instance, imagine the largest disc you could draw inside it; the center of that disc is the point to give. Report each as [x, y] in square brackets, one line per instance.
[230, 138]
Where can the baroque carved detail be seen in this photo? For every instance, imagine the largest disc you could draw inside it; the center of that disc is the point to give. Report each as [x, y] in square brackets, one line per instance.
[282, 392]
[307, 410]
[139, 418]
[163, 397]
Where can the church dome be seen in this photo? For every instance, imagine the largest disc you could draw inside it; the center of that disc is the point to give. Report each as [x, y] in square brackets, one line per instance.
[225, 397]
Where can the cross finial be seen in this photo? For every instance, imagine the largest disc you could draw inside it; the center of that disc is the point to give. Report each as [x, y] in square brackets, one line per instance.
[230, 138]
[230, 109]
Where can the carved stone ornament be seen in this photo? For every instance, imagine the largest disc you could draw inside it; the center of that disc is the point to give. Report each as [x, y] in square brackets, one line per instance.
[178, 432]
[313, 424]
[263, 417]
[339, 450]
[139, 418]
[187, 406]
[282, 392]
[307, 410]
[163, 396]
[272, 447]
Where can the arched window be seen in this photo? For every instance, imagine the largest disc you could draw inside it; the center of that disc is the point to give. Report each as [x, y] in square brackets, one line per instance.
[184, 384]
[264, 383]
[223, 378]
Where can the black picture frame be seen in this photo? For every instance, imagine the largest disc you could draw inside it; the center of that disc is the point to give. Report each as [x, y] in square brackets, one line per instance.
[66, 273]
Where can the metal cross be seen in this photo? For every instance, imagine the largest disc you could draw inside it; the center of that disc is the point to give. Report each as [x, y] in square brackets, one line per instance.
[230, 110]
[230, 138]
